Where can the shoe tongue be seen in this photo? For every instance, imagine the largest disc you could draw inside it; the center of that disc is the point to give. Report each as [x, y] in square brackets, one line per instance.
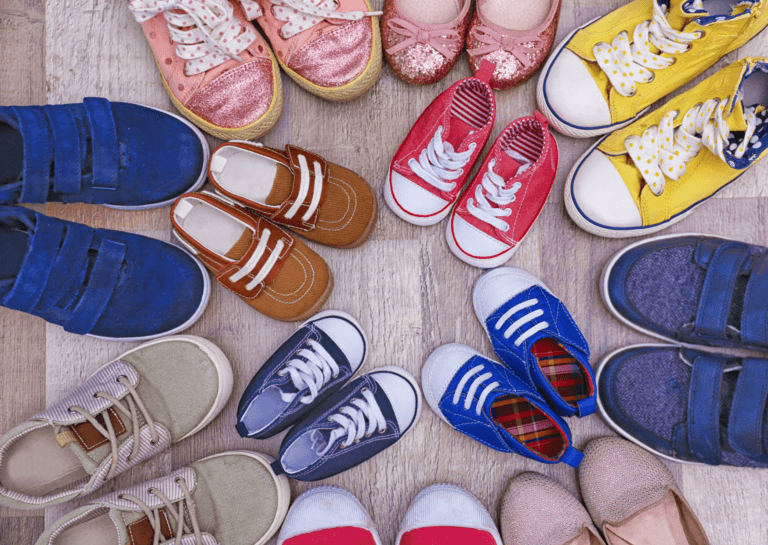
[88, 444]
[282, 186]
[134, 527]
[241, 246]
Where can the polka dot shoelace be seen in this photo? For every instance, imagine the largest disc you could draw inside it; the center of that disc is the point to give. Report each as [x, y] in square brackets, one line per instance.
[300, 15]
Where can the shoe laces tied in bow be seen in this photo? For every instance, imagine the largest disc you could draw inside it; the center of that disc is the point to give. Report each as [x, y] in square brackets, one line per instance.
[493, 190]
[300, 15]
[440, 162]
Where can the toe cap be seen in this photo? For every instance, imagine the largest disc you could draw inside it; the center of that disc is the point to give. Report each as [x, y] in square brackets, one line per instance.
[403, 395]
[440, 368]
[498, 286]
[347, 336]
[414, 199]
[473, 242]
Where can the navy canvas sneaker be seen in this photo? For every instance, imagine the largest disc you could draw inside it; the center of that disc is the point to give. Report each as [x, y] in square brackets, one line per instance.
[316, 361]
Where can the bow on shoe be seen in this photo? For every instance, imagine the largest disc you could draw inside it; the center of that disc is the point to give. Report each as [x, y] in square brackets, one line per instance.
[516, 46]
[438, 39]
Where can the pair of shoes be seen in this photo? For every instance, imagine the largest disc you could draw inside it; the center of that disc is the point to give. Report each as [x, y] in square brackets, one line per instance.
[423, 39]
[629, 494]
[338, 421]
[517, 405]
[432, 166]
[678, 401]
[441, 513]
[242, 233]
[223, 76]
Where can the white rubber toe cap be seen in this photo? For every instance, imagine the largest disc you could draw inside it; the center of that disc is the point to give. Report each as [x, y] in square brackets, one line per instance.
[414, 199]
[440, 368]
[347, 337]
[600, 194]
[573, 95]
[403, 395]
[498, 286]
[473, 242]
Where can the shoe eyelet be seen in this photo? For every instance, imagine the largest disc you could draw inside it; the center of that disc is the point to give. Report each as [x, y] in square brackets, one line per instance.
[701, 34]
[69, 409]
[366, 389]
[342, 446]
[154, 442]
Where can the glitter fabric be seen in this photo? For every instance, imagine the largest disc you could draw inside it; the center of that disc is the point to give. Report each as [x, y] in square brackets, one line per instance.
[517, 54]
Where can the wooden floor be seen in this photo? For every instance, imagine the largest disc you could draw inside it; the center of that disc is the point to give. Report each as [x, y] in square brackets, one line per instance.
[406, 288]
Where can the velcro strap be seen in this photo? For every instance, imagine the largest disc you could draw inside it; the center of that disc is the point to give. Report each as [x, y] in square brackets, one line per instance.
[754, 319]
[66, 150]
[704, 408]
[717, 291]
[746, 425]
[572, 457]
[302, 196]
[38, 152]
[103, 142]
[101, 285]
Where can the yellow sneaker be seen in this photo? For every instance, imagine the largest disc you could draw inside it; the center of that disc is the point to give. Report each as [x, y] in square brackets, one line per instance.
[605, 74]
[653, 173]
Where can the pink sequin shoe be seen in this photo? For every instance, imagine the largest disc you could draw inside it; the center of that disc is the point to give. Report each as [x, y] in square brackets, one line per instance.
[516, 36]
[218, 71]
[331, 48]
[423, 38]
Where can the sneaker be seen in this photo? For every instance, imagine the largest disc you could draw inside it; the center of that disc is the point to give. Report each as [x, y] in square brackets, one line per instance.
[435, 160]
[367, 416]
[98, 152]
[314, 363]
[600, 79]
[298, 190]
[267, 267]
[627, 185]
[231, 498]
[507, 195]
[332, 49]
[154, 395]
[218, 71]
[106, 284]
[535, 336]
[486, 401]
[423, 40]
[445, 513]
[328, 515]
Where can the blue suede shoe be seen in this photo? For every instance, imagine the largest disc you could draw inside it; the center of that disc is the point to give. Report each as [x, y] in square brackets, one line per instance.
[691, 289]
[687, 405]
[535, 336]
[367, 416]
[486, 401]
[316, 361]
[107, 284]
[117, 154]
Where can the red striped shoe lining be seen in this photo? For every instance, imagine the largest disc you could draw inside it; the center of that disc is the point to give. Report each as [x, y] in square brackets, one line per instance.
[524, 140]
[472, 104]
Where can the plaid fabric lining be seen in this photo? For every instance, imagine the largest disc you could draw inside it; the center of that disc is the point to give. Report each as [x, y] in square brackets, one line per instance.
[561, 369]
[528, 425]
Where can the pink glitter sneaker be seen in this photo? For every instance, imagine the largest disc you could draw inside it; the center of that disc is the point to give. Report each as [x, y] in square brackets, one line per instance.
[514, 35]
[218, 71]
[331, 48]
[423, 38]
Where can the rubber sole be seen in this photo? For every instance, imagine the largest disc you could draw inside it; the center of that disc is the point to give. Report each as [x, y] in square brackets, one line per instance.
[489, 263]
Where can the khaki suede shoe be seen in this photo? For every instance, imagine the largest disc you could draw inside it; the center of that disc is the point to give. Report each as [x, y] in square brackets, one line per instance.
[155, 395]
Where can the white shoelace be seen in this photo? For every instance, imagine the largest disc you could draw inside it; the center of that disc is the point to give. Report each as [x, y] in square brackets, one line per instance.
[207, 32]
[299, 15]
[317, 190]
[313, 372]
[473, 389]
[439, 162]
[253, 261]
[494, 192]
[522, 321]
[358, 421]
[663, 150]
[626, 64]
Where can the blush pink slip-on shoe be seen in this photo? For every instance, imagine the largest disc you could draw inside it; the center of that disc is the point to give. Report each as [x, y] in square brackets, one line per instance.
[218, 71]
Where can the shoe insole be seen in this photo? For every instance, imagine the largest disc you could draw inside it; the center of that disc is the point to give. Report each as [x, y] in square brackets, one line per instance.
[211, 227]
[14, 245]
[662, 524]
[531, 427]
[516, 14]
[432, 12]
[98, 531]
[12, 158]
[562, 370]
[252, 176]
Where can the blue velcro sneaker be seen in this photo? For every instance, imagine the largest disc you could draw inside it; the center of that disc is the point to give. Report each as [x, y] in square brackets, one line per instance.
[107, 284]
[365, 417]
[687, 405]
[486, 401]
[117, 154]
[535, 336]
[316, 361]
[691, 289]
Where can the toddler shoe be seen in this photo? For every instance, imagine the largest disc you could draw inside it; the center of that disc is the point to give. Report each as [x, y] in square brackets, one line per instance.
[507, 195]
[315, 362]
[687, 405]
[633, 498]
[267, 267]
[217, 69]
[434, 161]
[365, 417]
[129, 410]
[516, 36]
[328, 515]
[298, 190]
[423, 40]
[232, 498]
[332, 49]
[444, 513]
[106, 284]
[537, 339]
[600, 78]
[486, 401]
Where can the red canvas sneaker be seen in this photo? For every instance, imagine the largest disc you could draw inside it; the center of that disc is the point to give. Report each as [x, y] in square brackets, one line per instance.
[507, 195]
[434, 161]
